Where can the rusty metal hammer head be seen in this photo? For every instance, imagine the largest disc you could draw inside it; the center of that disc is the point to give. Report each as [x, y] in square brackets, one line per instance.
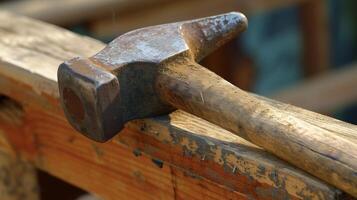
[101, 93]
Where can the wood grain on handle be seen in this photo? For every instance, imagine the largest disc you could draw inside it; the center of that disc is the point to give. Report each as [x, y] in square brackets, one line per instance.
[328, 151]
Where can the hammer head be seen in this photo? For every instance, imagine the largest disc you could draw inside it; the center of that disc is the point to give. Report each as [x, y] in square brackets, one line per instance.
[101, 93]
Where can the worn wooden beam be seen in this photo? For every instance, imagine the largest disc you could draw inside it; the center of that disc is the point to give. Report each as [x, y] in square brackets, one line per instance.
[67, 12]
[192, 159]
[325, 93]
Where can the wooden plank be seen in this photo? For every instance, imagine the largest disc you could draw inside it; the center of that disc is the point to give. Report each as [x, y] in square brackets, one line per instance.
[200, 160]
[315, 32]
[18, 177]
[180, 10]
[325, 93]
[67, 12]
[109, 170]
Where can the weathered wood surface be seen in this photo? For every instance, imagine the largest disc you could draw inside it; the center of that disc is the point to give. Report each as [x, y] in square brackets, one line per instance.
[18, 179]
[200, 160]
[325, 93]
[327, 154]
[67, 12]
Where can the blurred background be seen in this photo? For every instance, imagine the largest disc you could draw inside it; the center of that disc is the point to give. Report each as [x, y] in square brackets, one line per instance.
[301, 52]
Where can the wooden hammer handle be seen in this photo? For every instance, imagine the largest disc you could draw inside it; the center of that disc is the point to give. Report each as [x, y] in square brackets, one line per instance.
[306, 142]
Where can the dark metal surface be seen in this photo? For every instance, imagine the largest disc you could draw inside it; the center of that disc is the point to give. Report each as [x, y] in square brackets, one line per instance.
[101, 93]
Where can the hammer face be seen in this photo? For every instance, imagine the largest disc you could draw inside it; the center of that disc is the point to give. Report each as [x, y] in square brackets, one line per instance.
[98, 103]
[90, 98]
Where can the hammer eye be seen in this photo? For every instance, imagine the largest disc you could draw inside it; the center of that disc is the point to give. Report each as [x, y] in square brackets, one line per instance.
[73, 104]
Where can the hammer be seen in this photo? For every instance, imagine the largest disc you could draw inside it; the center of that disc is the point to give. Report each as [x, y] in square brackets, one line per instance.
[154, 70]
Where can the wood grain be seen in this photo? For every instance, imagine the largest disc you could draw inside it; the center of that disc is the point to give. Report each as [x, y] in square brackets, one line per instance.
[324, 153]
[18, 177]
[193, 158]
[109, 170]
